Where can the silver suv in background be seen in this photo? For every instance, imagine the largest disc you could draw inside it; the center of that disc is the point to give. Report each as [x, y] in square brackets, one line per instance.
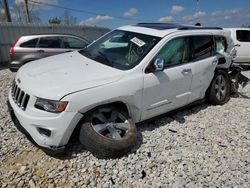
[33, 47]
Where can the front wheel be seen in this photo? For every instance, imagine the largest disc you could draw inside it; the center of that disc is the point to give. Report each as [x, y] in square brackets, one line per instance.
[219, 91]
[108, 132]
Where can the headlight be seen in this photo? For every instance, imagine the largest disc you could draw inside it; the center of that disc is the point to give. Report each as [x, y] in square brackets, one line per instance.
[50, 105]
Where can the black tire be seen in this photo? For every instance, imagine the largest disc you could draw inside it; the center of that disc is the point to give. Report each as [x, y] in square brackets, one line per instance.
[101, 144]
[219, 90]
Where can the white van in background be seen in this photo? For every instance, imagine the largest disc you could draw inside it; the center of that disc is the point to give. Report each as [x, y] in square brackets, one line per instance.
[241, 38]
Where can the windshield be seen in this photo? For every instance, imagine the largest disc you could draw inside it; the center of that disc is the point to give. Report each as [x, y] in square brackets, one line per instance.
[120, 49]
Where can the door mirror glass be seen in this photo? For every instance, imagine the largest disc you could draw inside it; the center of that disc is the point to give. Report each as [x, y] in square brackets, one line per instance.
[158, 64]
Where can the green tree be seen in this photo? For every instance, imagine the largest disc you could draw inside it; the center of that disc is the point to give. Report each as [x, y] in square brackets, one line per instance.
[246, 25]
[55, 21]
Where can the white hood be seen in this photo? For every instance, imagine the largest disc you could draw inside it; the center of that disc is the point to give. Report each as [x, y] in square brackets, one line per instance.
[57, 76]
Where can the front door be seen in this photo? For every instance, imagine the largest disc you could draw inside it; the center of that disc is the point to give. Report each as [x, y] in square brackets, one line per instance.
[168, 89]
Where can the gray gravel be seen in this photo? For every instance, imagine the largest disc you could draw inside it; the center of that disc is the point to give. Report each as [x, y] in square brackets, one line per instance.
[204, 146]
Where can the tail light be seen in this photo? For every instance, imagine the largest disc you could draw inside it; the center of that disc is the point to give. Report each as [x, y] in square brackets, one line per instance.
[12, 52]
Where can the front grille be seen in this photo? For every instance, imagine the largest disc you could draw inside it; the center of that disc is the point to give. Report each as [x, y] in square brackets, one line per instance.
[20, 97]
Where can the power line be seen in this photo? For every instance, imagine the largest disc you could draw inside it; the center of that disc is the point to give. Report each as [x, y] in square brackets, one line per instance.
[86, 12]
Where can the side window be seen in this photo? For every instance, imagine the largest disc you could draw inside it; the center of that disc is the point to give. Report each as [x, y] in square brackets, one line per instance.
[220, 44]
[175, 52]
[202, 47]
[29, 44]
[243, 35]
[49, 42]
[73, 43]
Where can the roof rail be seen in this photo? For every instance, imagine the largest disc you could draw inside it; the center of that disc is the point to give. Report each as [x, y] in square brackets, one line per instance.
[198, 27]
[163, 26]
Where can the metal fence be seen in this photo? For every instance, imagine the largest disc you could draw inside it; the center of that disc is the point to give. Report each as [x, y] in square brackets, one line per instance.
[9, 32]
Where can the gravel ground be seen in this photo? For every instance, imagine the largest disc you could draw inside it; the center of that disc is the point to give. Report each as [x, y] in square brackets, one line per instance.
[204, 146]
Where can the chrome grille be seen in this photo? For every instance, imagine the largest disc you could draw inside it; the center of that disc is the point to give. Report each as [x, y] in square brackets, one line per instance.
[20, 97]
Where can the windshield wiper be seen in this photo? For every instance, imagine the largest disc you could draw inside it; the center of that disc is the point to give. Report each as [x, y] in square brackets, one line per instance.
[106, 58]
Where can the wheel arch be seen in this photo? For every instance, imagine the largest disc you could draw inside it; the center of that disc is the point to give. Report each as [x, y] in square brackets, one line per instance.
[117, 104]
[225, 70]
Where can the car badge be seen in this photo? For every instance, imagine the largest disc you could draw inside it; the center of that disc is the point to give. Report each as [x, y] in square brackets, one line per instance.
[18, 80]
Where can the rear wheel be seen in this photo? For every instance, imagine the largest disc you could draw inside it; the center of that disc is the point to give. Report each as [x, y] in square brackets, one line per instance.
[219, 91]
[108, 132]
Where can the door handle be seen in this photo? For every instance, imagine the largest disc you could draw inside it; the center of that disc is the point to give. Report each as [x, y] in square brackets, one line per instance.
[40, 51]
[237, 45]
[186, 71]
[68, 51]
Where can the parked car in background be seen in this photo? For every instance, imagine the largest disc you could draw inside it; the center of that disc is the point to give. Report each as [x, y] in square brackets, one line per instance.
[33, 47]
[241, 38]
[127, 76]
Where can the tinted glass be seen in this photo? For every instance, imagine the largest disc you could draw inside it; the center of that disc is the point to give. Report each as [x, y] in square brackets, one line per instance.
[243, 35]
[49, 42]
[29, 44]
[120, 49]
[70, 42]
[202, 47]
[175, 52]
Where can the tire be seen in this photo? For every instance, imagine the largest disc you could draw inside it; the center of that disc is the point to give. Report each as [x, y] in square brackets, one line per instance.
[219, 90]
[108, 132]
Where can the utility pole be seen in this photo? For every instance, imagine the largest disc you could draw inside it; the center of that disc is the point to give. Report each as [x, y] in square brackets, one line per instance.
[27, 10]
[6, 10]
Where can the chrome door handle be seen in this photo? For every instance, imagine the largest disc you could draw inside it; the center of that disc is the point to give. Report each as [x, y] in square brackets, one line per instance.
[186, 71]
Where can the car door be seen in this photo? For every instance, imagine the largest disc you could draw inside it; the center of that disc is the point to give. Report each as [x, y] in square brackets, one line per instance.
[242, 45]
[168, 89]
[50, 45]
[203, 62]
[26, 51]
[73, 43]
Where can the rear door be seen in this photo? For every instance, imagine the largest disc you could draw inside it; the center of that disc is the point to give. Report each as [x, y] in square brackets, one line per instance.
[26, 51]
[203, 62]
[243, 45]
[48, 46]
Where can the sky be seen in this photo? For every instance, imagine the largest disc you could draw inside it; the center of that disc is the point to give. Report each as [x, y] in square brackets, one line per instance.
[115, 13]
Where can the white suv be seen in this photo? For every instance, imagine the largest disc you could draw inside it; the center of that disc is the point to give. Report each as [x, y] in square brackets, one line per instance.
[127, 76]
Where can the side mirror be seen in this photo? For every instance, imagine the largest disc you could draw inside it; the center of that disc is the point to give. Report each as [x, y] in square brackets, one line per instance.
[158, 64]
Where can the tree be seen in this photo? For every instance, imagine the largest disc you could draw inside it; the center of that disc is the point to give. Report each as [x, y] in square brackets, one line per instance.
[5, 5]
[2, 15]
[68, 19]
[55, 21]
[246, 25]
[20, 14]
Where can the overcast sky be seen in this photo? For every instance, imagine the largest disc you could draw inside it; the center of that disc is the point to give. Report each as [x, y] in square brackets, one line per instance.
[114, 13]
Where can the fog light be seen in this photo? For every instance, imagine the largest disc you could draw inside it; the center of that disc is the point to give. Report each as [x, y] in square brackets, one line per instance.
[44, 132]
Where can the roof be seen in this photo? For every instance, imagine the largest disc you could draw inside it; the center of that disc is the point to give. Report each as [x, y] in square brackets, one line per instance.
[162, 29]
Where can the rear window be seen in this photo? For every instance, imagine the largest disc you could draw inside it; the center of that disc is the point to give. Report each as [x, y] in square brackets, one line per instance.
[29, 44]
[243, 35]
[202, 47]
[49, 42]
[220, 44]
